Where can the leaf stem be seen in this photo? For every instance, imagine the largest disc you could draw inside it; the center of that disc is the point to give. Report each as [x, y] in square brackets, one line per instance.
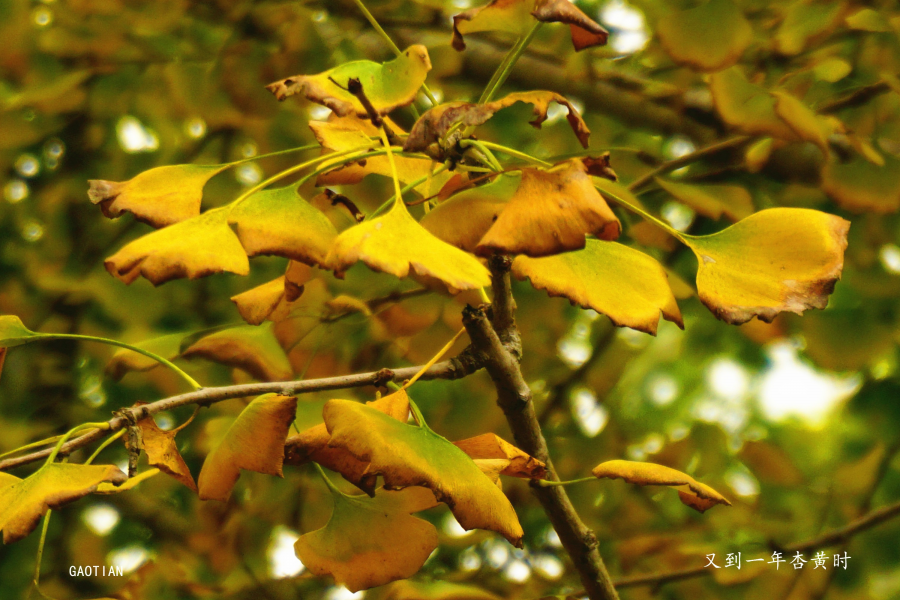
[488, 155]
[546, 483]
[435, 358]
[331, 487]
[508, 63]
[636, 209]
[90, 338]
[40, 552]
[276, 153]
[69, 434]
[398, 193]
[105, 443]
[512, 152]
[36, 444]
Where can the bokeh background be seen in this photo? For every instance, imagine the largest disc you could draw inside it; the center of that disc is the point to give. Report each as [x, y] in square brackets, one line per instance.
[796, 422]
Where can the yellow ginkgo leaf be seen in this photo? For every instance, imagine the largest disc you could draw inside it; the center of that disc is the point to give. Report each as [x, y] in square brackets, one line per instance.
[257, 304]
[254, 442]
[804, 22]
[250, 348]
[160, 196]
[806, 124]
[131, 483]
[162, 452]
[747, 107]
[712, 200]
[435, 590]
[24, 502]
[776, 260]
[435, 124]
[387, 86]
[491, 446]
[279, 222]
[604, 276]
[689, 39]
[515, 16]
[551, 212]
[698, 496]
[407, 455]
[861, 186]
[369, 542]
[395, 243]
[312, 445]
[194, 248]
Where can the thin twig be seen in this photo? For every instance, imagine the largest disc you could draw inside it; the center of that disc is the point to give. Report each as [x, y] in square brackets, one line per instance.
[677, 163]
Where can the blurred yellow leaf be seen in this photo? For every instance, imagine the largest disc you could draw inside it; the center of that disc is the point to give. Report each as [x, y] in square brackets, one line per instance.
[551, 212]
[395, 243]
[194, 248]
[369, 542]
[710, 37]
[160, 196]
[435, 590]
[254, 442]
[24, 502]
[747, 107]
[806, 124]
[776, 260]
[868, 19]
[804, 21]
[125, 361]
[861, 186]
[253, 349]
[626, 285]
[692, 493]
[387, 86]
[407, 455]
[712, 200]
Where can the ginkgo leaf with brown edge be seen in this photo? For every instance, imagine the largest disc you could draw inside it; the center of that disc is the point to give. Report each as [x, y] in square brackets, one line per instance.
[513, 16]
[435, 124]
[551, 212]
[279, 222]
[369, 542]
[860, 186]
[408, 455]
[312, 445]
[162, 452]
[257, 304]
[194, 248]
[159, 197]
[254, 442]
[689, 40]
[24, 502]
[712, 201]
[776, 260]
[387, 86]
[602, 276]
[254, 349]
[691, 492]
[395, 243]
[491, 446]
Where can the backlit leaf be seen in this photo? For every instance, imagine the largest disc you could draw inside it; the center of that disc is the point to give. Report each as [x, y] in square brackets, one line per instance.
[710, 37]
[868, 20]
[162, 452]
[160, 196]
[387, 86]
[254, 442]
[24, 502]
[369, 542]
[395, 243]
[407, 455]
[514, 16]
[622, 283]
[14, 333]
[861, 186]
[552, 211]
[712, 200]
[434, 125]
[279, 222]
[698, 496]
[776, 260]
[491, 446]
[253, 349]
[194, 248]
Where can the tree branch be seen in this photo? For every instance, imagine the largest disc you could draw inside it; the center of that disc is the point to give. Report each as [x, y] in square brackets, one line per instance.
[455, 368]
[514, 398]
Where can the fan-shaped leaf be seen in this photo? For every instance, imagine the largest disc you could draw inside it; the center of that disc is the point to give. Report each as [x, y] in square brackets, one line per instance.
[253, 349]
[698, 496]
[710, 37]
[254, 442]
[622, 283]
[14, 333]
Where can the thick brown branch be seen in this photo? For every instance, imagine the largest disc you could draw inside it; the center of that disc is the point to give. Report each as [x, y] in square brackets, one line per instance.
[514, 398]
[450, 369]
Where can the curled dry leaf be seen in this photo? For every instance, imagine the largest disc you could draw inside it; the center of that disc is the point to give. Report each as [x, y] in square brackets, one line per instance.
[312, 445]
[24, 501]
[162, 452]
[194, 248]
[552, 211]
[369, 542]
[776, 260]
[254, 442]
[159, 197]
[604, 276]
[407, 455]
[514, 16]
[250, 348]
[387, 86]
[698, 496]
[860, 186]
[279, 222]
[515, 462]
[691, 39]
[395, 243]
[434, 125]
[712, 200]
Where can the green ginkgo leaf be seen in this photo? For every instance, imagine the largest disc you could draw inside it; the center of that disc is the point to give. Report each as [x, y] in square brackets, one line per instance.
[690, 38]
[14, 333]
